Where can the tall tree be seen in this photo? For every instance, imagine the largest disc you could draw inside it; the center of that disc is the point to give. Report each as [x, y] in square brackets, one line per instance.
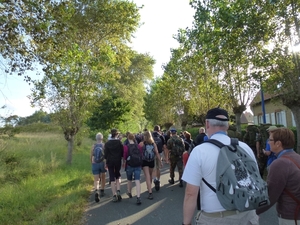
[84, 45]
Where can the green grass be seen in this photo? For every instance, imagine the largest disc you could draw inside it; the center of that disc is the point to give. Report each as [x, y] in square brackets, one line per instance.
[36, 184]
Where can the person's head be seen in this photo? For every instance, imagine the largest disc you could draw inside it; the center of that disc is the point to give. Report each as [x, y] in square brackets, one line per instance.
[99, 137]
[173, 131]
[187, 135]
[114, 133]
[157, 128]
[217, 119]
[281, 138]
[270, 128]
[131, 136]
[201, 130]
[148, 137]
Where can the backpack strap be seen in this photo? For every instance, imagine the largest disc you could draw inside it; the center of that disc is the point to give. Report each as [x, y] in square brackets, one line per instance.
[290, 193]
[220, 145]
[233, 141]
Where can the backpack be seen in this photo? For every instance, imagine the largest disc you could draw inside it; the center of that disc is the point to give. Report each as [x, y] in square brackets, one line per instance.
[98, 153]
[191, 146]
[134, 158]
[177, 147]
[239, 184]
[148, 152]
[158, 142]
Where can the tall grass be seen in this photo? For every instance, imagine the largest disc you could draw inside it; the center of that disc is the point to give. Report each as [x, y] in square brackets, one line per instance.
[36, 184]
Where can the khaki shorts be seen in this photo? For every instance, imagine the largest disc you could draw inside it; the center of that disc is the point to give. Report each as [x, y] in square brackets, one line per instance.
[227, 218]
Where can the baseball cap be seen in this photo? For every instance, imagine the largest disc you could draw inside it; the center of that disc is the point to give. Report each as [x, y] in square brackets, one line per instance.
[173, 130]
[272, 128]
[215, 114]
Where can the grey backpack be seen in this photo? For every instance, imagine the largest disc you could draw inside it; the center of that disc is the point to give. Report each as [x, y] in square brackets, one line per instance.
[239, 185]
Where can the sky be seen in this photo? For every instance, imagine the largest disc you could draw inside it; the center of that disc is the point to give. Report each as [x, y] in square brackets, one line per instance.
[161, 20]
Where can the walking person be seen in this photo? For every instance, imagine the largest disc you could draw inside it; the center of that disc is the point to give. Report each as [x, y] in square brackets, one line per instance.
[113, 152]
[160, 144]
[202, 163]
[176, 148]
[149, 152]
[132, 158]
[200, 137]
[283, 177]
[98, 166]
[267, 151]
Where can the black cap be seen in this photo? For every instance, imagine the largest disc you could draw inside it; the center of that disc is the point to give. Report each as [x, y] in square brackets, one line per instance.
[216, 112]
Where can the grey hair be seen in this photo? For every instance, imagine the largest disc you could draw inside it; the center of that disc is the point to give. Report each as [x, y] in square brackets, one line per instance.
[218, 123]
[99, 137]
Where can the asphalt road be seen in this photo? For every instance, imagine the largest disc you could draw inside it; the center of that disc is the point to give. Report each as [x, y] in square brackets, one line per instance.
[164, 209]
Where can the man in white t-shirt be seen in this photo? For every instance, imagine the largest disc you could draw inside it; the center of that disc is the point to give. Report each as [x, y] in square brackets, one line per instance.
[202, 163]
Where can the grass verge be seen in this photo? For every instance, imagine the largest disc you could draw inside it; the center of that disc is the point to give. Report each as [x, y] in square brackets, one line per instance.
[36, 184]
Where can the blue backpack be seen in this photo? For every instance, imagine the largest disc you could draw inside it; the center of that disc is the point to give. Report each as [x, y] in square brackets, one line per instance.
[98, 153]
[148, 152]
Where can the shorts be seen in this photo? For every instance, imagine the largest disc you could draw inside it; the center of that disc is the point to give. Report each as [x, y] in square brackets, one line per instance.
[98, 168]
[133, 172]
[114, 171]
[156, 161]
[149, 164]
[248, 218]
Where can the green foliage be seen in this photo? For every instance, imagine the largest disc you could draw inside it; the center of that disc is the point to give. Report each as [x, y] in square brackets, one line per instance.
[36, 117]
[9, 130]
[35, 164]
[111, 112]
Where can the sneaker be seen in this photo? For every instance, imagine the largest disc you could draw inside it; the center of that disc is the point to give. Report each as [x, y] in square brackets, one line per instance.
[180, 183]
[102, 193]
[138, 201]
[119, 196]
[171, 181]
[150, 196]
[129, 195]
[97, 199]
[157, 185]
[115, 199]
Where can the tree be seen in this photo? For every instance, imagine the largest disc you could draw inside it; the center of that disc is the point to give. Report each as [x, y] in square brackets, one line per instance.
[111, 112]
[84, 45]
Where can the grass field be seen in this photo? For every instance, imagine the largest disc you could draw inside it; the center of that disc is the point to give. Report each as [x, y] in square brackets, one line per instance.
[36, 184]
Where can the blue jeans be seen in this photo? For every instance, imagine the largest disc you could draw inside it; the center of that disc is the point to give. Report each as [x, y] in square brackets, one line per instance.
[133, 172]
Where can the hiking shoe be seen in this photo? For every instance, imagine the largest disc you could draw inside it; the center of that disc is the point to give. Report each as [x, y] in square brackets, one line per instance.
[150, 196]
[157, 185]
[138, 201]
[129, 195]
[171, 181]
[102, 193]
[115, 199]
[97, 199]
[180, 183]
[119, 196]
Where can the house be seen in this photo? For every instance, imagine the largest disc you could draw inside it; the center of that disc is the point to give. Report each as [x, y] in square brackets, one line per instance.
[276, 113]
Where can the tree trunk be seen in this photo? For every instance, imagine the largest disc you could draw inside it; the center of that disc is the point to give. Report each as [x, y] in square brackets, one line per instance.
[70, 148]
[296, 111]
[238, 122]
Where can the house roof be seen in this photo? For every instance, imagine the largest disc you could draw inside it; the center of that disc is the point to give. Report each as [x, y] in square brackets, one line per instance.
[244, 119]
[257, 99]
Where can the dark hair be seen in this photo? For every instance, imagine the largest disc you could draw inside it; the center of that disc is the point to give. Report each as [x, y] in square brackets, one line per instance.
[156, 128]
[285, 136]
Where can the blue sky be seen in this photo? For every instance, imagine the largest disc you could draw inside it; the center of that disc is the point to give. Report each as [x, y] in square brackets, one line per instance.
[161, 18]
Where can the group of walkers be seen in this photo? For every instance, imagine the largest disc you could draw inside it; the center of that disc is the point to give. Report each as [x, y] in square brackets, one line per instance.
[200, 165]
[143, 152]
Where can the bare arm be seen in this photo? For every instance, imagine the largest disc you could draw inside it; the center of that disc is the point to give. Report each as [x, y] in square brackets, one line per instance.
[189, 203]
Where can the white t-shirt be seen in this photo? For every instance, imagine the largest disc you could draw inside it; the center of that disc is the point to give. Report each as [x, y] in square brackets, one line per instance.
[202, 163]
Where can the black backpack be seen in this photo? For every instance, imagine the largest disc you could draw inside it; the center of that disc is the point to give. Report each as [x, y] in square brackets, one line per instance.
[134, 158]
[158, 141]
